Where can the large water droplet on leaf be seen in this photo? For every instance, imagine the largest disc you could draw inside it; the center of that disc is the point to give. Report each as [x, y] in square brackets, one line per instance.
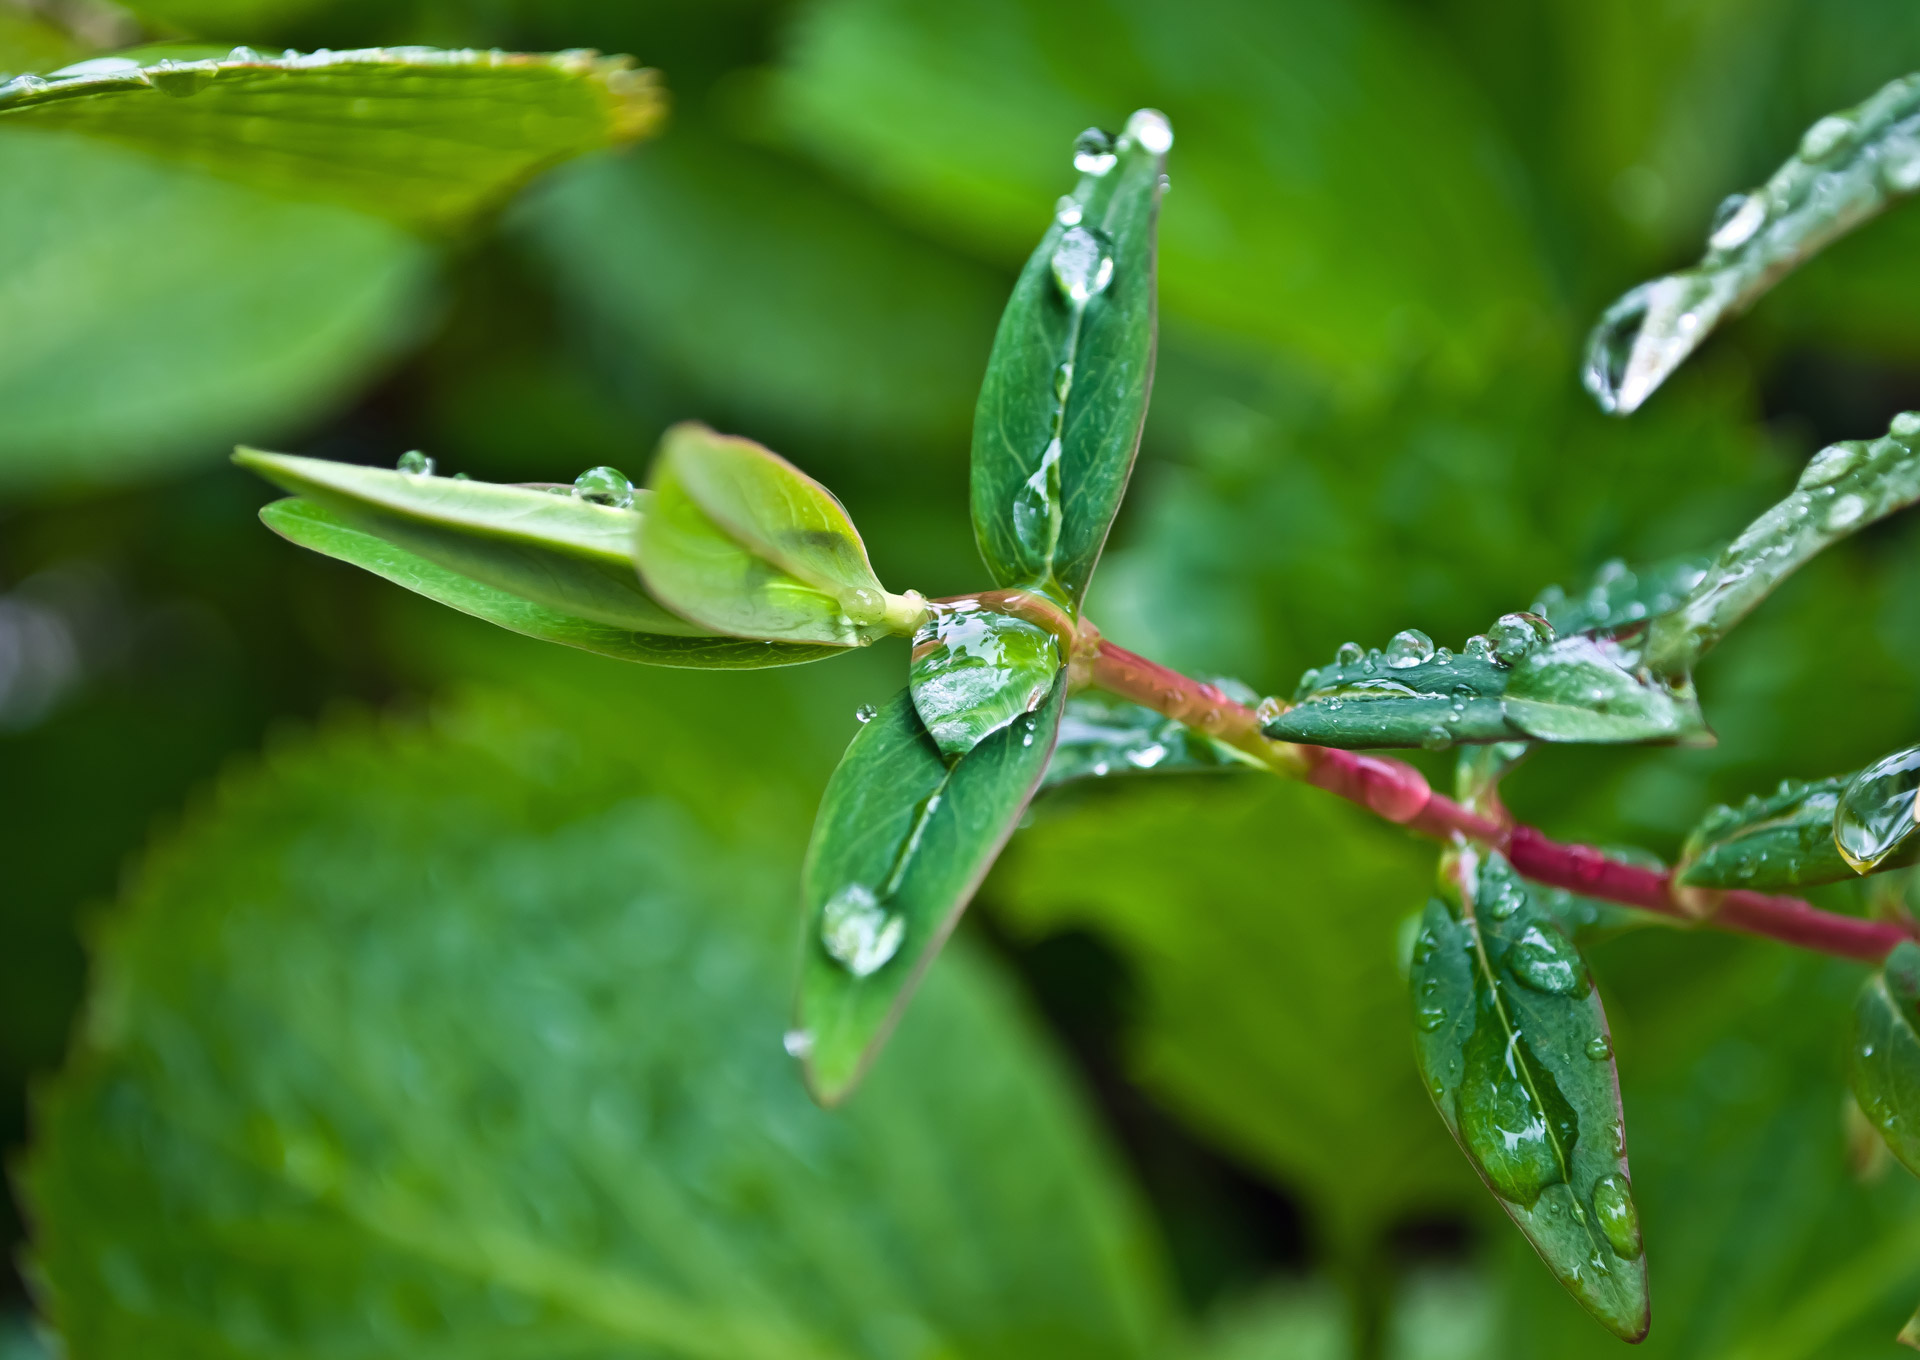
[1409, 647]
[1610, 348]
[1736, 220]
[1514, 636]
[415, 464]
[1599, 1048]
[1831, 464]
[858, 931]
[1082, 265]
[1826, 137]
[1093, 152]
[1546, 961]
[1619, 1219]
[604, 486]
[1150, 130]
[797, 1042]
[1513, 1118]
[1036, 508]
[1877, 811]
[1349, 654]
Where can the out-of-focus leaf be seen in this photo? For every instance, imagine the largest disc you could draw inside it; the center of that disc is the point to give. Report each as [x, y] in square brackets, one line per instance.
[1514, 1047]
[1782, 841]
[902, 840]
[422, 136]
[742, 542]
[29, 43]
[150, 313]
[789, 302]
[557, 550]
[448, 1040]
[974, 670]
[1850, 165]
[1845, 487]
[1517, 681]
[1066, 388]
[324, 531]
[1618, 596]
[1101, 736]
[1292, 223]
[1883, 1062]
[1257, 918]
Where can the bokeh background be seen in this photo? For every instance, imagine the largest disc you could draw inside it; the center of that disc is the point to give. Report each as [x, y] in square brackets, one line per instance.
[1389, 227]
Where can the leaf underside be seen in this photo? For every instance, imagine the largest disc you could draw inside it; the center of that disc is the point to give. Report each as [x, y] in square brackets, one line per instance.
[901, 841]
[1513, 1045]
[1101, 736]
[420, 135]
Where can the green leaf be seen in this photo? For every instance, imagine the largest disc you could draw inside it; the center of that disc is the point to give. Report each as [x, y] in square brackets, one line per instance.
[742, 542]
[558, 550]
[1619, 596]
[1844, 488]
[1850, 165]
[439, 1041]
[1066, 388]
[902, 840]
[1102, 736]
[1782, 841]
[974, 670]
[153, 314]
[324, 531]
[1513, 1045]
[1883, 1060]
[425, 137]
[1517, 681]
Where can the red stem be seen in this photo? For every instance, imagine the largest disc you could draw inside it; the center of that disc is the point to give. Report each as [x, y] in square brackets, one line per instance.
[1396, 791]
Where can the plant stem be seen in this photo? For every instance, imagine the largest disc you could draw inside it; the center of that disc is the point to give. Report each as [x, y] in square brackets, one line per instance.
[1396, 791]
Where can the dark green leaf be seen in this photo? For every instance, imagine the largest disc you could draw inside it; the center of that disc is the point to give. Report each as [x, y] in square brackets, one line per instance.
[1513, 1044]
[557, 550]
[1781, 841]
[423, 136]
[153, 314]
[974, 670]
[1066, 388]
[1849, 166]
[1845, 487]
[742, 542]
[466, 1041]
[1101, 736]
[1618, 596]
[1883, 1063]
[316, 527]
[901, 842]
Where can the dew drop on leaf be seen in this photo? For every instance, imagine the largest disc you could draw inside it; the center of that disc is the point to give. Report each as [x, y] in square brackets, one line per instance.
[1514, 636]
[1736, 220]
[1877, 811]
[415, 464]
[858, 932]
[1599, 1048]
[797, 1042]
[604, 486]
[1546, 961]
[1082, 265]
[1830, 464]
[1826, 137]
[1349, 654]
[1093, 152]
[1513, 1118]
[1150, 130]
[1619, 1218]
[865, 714]
[1409, 647]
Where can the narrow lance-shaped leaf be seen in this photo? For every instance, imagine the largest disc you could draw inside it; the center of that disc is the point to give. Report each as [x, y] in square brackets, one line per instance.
[314, 526]
[1850, 166]
[1845, 487]
[739, 541]
[902, 840]
[426, 137]
[562, 551]
[1883, 1063]
[1513, 1045]
[1065, 394]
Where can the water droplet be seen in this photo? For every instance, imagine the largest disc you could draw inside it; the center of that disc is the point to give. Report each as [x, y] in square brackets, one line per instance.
[1409, 647]
[1826, 137]
[1429, 1018]
[1736, 220]
[243, 54]
[1093, 152]
[1844, 512]
[415, 464]
[1036, 509]
[1546, 961]
[1082, 265]
[1514, 636]
[1269, 710]
[1436, 738]
[604, 486]
[1610, 349]
[1905, 425]
[858, 931]
[1479, 647]
[1599, 1048]
[1619, 1219]
[1349, 654]
[460, 477]
[1423, 946]
[1500, 898]
[1151, 131]
[865, 714]
[1513, 1117]
[1063, 380]
[1831, 464]
[1068, 212]
[797, 1042]
[864, 605]
[1877, 811]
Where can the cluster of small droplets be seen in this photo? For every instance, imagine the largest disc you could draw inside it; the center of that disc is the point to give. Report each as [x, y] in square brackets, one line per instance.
[604, 486]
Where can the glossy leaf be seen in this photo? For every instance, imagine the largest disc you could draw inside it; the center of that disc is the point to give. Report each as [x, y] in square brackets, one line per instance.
[1844, 488]
[1619, 596]
[316, 527]
[423, 136]
[557, 550]
[973, 670]
[902, 840]
[1782, 841]
[1065, 394]
[1594, 689]
[454, 1039]
[1883, 1063]
[740, 541]
[1513, 1045]
[1877, 813]
[1849, 166]
[1102, 736]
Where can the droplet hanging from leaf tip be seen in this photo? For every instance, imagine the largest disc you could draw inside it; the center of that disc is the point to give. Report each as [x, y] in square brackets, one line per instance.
[1150, 130]
[1877, 812]
[604, 486]
[1610, 349]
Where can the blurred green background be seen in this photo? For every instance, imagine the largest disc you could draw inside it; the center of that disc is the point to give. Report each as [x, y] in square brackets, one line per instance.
[1389, 226]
